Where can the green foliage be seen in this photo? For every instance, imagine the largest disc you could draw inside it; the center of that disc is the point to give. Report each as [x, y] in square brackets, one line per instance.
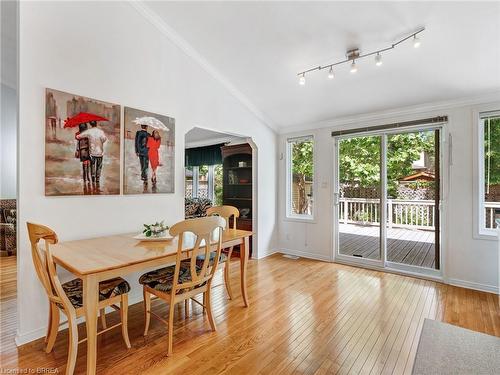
[360, 158]
[492, 151]
[302, 159]
[155, 229]
[402, 151]
[218, 185]
[302, 171]
[359, 162]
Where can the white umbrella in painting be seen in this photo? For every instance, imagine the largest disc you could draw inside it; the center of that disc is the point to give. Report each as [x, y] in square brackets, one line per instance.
[151, 121]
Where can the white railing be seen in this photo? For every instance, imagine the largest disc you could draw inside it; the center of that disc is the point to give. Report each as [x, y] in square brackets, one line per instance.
[490, 208]
[417, 214]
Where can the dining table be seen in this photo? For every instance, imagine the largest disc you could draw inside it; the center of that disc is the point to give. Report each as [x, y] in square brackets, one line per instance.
[102, 258]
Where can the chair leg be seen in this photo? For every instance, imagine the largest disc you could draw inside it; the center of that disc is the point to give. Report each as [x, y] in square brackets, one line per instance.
[209, 308]
[186, 307]
[124, 318]
[73, 344]
[227, 279]
[170, 326]
[49, 324]
[147, 310]
[204, 303]
[103, 318]
[53, 327]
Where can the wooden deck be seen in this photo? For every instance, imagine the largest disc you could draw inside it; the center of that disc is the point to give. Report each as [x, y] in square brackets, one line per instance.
[406, 246]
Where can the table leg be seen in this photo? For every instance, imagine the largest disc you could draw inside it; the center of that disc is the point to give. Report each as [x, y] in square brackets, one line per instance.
[244, 250]
[91, 307]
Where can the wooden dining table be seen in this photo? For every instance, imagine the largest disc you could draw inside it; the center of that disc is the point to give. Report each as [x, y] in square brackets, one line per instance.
[97, 259]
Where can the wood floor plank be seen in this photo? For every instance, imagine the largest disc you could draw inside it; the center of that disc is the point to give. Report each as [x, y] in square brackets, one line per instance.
[305, 317]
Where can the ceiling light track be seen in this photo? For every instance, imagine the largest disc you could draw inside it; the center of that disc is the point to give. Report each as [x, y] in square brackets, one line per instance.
[354, 55]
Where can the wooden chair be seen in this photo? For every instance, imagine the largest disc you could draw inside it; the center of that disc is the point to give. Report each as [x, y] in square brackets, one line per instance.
[68, 296]
[186, 279]
[226, 212]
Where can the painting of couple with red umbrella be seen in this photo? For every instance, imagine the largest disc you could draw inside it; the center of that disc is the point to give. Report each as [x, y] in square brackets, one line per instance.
[82, 145]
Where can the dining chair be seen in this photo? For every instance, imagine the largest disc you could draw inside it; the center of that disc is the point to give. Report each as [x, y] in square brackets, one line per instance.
[68, 296]
[188, 277]
[226, 212]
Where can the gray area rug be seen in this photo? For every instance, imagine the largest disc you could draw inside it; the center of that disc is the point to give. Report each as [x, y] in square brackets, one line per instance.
[447, 349]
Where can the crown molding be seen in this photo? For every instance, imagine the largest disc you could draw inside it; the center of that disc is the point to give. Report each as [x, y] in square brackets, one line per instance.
[488, 97]
[181, 43]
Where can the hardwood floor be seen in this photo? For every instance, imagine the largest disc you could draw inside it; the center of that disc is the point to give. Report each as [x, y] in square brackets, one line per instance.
[305, 317]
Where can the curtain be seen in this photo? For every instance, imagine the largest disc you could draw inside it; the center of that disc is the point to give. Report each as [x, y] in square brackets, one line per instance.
[208, 155]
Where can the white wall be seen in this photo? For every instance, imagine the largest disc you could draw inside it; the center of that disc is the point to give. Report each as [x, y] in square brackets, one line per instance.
[8, 94]
[468, 261]
[109, 51]
[8, 143]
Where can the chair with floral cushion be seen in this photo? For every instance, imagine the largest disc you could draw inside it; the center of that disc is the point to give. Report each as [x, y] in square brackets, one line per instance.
[68, 296]
[226, 212]
[8, 218]
[188, 277]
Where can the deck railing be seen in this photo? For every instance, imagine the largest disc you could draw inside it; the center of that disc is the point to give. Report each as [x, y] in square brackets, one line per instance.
[490, 208]
[417, 214]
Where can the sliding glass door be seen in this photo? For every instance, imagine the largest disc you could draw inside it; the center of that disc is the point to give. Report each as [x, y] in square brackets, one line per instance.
[387, 199]
[359, 197]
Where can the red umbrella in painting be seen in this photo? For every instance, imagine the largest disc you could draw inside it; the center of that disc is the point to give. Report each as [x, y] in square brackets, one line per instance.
[81, 118]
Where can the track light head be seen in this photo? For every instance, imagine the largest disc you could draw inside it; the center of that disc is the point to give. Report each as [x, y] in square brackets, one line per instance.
[302, 79]
[354, 68]
[331, 75]
[416, 41]
[378, 59]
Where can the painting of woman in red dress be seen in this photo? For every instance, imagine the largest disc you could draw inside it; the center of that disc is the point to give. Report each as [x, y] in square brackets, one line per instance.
[154, 143]
[149, 153]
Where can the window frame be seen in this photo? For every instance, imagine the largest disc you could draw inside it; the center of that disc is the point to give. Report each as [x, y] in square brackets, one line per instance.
[289, 215]
[480, 232]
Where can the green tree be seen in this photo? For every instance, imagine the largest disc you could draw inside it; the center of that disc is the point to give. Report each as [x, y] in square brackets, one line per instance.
[218, 185]
[359, 158]
[302, 171]
[491, 151]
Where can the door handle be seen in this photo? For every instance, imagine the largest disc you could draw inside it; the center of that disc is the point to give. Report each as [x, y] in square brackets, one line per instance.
[336, 199]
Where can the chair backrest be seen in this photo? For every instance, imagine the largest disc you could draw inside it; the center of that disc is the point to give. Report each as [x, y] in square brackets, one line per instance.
[44, 264]
[226, 212]
[207, 233]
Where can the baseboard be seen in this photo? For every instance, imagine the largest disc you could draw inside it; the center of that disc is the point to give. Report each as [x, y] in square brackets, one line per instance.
[304, 254]
[473, 285]
[27, 337]
[272, 252]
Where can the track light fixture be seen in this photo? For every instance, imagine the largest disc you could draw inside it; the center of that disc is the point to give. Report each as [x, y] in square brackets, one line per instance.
[354, 54]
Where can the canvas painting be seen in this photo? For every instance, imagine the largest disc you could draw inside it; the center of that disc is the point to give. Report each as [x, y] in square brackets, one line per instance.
[82, 145]
[149, 153]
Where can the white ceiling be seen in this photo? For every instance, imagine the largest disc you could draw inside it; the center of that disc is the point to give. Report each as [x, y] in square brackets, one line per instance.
[198, 137]
[260, 46]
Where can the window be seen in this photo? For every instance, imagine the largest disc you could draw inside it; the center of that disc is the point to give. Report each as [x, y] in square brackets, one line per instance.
[489, 172]
[300, 186]
[204, 181]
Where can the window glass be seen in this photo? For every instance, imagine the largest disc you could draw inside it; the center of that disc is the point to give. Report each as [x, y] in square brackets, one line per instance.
[301, 171]
[490, 174]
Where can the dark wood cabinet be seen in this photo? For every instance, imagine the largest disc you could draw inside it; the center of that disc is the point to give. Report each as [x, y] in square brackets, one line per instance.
[237, 183]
